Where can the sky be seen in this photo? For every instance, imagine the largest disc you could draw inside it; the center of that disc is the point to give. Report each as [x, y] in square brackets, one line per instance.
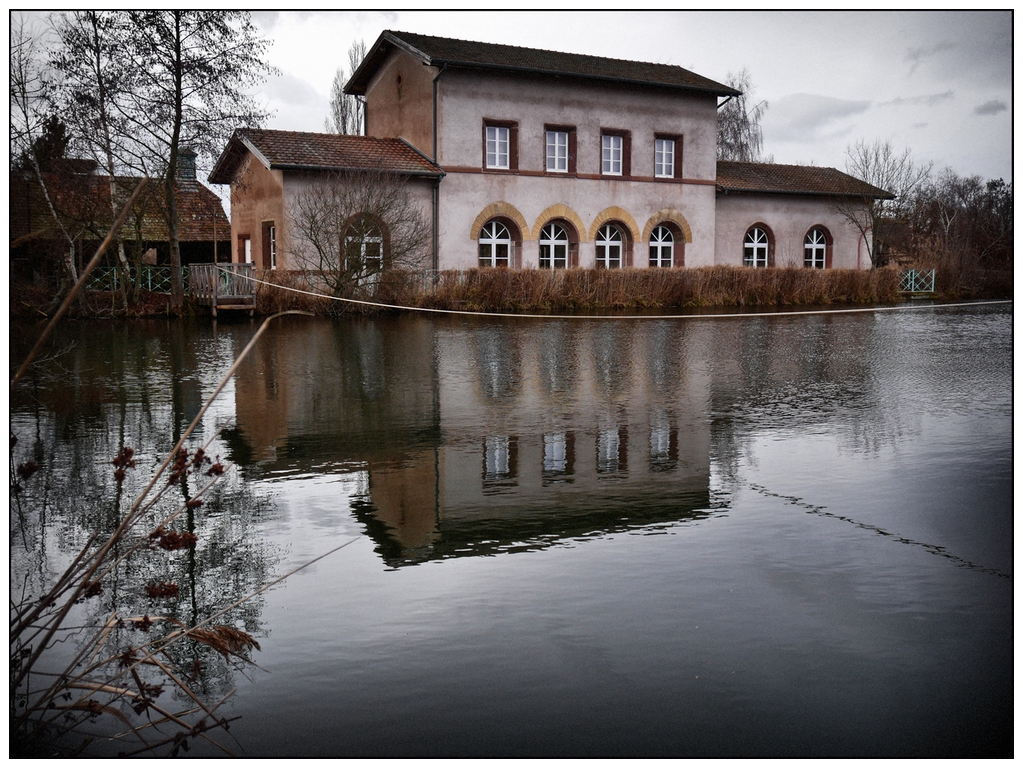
[939, 83]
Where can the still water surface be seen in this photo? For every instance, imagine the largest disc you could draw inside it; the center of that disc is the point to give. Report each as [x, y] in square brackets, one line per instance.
[784, 536]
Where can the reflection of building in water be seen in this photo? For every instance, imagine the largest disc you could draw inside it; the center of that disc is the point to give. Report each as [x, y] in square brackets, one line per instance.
[488, 436]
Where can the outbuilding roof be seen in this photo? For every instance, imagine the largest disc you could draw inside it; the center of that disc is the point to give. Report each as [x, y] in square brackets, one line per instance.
[441, 51]
[295, 150]
[734, 176]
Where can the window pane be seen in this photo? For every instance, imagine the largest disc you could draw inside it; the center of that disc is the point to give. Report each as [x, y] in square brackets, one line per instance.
[557, 151]
[497, 147]
[611, 149]
[664, 158]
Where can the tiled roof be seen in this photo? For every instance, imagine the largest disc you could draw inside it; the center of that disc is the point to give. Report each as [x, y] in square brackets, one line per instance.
[733, 176]
[84, 203]
[322, 151]
[438, 51]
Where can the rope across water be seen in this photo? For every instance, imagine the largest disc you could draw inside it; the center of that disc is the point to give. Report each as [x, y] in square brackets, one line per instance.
[722, 316]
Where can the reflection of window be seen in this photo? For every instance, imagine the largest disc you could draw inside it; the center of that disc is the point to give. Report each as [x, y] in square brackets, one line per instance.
[558, 450]
[495, 245]
[815, 250]
[663, 445]
[499, 462]
[611, 450]
[662, 247]
[609, 247]
[755, 248]
[553, 247]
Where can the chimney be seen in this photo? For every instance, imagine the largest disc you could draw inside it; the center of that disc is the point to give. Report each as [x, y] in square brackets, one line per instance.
[186, 170]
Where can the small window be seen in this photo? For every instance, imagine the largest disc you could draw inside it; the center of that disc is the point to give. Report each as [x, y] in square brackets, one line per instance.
[244, 249]
[815, 250]
[756, 248]
[609, 247]
[557, 151]
[611, 155]
[495, 245]
[498, 146]
[662, 247]
[664, 158]
[269, 245]
[554, 247]
[364, 249]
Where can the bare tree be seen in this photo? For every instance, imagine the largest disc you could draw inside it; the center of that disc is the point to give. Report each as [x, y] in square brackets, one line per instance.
[350, 227]
[346, 112]
[193, 73]
[739, 133]
[878, 217]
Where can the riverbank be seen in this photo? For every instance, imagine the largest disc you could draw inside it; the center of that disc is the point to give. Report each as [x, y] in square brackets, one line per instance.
[564, 291]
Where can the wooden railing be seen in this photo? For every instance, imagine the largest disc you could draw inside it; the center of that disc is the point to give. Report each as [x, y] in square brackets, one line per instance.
[222, 286]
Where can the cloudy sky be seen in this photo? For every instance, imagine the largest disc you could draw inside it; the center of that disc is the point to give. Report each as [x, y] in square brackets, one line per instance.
[939, 83]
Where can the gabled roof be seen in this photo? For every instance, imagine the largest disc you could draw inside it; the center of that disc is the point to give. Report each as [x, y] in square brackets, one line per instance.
[294, 150]
[441, 51]
[83, 202]
[734, 176]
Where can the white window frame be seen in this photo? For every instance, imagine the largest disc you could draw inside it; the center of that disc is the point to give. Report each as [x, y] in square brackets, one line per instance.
[662, 247]
[493, 235]
[498, 147]
[815, 249]
[557, 151]
[664, 158]
[611, 151]
[756, 248]
[610, 247]
[272, 232]
[554, 239]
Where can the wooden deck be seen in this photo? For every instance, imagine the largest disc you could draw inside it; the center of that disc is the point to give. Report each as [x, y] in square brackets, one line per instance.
[223, 287]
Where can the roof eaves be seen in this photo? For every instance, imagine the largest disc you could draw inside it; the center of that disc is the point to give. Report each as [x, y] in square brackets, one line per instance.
[423, 155]
[345, 168]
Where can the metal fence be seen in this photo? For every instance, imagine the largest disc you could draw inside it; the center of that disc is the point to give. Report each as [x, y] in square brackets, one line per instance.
[917, 281]
[151, 278]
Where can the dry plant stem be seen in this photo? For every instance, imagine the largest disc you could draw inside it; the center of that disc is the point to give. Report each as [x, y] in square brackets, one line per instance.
[129, 518]
[80, 283]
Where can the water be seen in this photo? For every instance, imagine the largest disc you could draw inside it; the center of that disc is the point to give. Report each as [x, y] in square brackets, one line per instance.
[782, 536]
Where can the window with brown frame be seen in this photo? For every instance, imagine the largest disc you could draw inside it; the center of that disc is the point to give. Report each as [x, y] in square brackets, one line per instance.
[559, 148]
[615, 153]
[667, 156]
[500, 145]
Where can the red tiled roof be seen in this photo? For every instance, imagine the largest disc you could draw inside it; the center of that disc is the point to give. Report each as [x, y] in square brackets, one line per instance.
[83, 201]
[323, 152]
[734, 176]
[439, 51]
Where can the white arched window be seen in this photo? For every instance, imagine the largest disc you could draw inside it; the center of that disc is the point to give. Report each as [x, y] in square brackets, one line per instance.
[815, 250]
[609, 247]
[364, 249]
[755, 248]
[553, 247]
[495, 245]
[662, 247]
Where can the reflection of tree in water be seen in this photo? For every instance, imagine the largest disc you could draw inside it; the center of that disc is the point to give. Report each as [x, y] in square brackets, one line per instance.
[498, 360]
[131, 385]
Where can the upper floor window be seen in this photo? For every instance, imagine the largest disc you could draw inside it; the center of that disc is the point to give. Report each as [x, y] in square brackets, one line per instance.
[756, 248]
[557, 151]
[611, 154]
[664, 158]
[497, 146]
[500, 139]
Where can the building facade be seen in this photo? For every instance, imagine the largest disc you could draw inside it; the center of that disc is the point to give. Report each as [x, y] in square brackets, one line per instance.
[539, 159]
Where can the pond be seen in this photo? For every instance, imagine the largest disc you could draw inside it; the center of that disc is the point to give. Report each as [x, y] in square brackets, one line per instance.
[714, 536]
